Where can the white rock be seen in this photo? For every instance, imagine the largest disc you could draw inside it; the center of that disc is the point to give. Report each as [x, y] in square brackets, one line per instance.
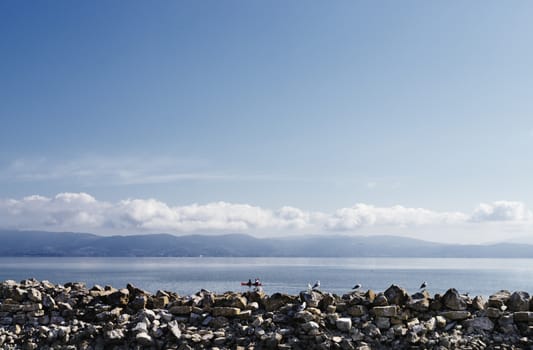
[143, 339]
[344, 324]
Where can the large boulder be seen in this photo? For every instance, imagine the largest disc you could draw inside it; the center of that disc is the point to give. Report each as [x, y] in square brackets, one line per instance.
[119, 298]
[312, 299]
[231, 300]
[519, 301]
[396, 295]
[453, 300]
[499, 299]
[277, 300]
[327, 300]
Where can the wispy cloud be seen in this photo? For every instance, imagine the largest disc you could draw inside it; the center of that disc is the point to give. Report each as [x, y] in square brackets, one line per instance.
[94, 170]
[123, 170]
[83, 212]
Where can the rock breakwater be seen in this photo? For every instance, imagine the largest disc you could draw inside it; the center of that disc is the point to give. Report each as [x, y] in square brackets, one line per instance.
[42, 315]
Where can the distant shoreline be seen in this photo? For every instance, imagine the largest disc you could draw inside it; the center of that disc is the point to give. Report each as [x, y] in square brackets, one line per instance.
[68, 244]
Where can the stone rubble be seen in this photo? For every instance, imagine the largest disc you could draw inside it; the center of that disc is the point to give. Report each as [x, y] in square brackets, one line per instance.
[41, 315]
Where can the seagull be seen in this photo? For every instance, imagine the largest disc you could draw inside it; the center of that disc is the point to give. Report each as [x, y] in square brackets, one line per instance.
[316, 286]
[357, 286]
[309, 286]
[302, 306]
[423, 285]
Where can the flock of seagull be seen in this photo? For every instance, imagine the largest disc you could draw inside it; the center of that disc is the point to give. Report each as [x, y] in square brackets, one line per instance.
[316, 286]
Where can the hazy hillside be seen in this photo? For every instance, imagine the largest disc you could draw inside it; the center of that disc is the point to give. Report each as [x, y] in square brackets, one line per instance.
[34, 243]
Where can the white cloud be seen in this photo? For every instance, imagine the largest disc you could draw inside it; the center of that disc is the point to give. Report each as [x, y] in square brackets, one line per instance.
[362, 215]
[82, 212]
[65, 211]
[502, 211]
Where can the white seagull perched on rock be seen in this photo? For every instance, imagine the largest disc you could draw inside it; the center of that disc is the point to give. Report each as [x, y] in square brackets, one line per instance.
[357, 286]
[423, 285]
[316, 286]
[302, 306]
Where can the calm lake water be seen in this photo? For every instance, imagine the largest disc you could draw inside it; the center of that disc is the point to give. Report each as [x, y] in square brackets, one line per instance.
[290, 275]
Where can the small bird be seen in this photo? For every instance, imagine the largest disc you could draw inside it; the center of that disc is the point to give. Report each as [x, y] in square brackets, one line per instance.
[316, 285]
[357, 286]
[423, 285]
[302, 306]
[309, 287]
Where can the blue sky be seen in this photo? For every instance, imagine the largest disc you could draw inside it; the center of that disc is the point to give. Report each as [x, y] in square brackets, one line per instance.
[315, 106]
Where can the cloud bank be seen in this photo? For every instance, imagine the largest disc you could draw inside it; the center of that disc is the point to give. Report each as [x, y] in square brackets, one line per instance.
[82, 212]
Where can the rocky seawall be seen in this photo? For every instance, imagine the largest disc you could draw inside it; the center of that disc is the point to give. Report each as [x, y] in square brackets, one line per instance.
[42, 315]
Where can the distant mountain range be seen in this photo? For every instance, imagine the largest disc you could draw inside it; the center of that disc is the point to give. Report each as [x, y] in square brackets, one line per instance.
[39, 243]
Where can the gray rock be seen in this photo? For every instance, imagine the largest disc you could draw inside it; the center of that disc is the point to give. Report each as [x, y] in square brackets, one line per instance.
[493, 312]
[420, 305]
[499, 299]
[328, 300]
[479, 323]
[119, 298]
[344, 324]
[114, 335]
[455, 315]
[225, 311]
[305, 316]
[372, 331]
[479, 303]
[277, 300]
[34, 295]
[506, 323]
[431, 324]
[139, 302]
[48, 302]
[518, 301]
[309, 326]
[140, 327]
[180, 309]
[356, 310]
[385, 311]
[380, 300]
[382, 322]
[453, 300]
[219, 322]
[272, 341]
[312, 298]
[174, 329]
[396, 295]
[523, 316]
[144, 339]
[258, 321]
